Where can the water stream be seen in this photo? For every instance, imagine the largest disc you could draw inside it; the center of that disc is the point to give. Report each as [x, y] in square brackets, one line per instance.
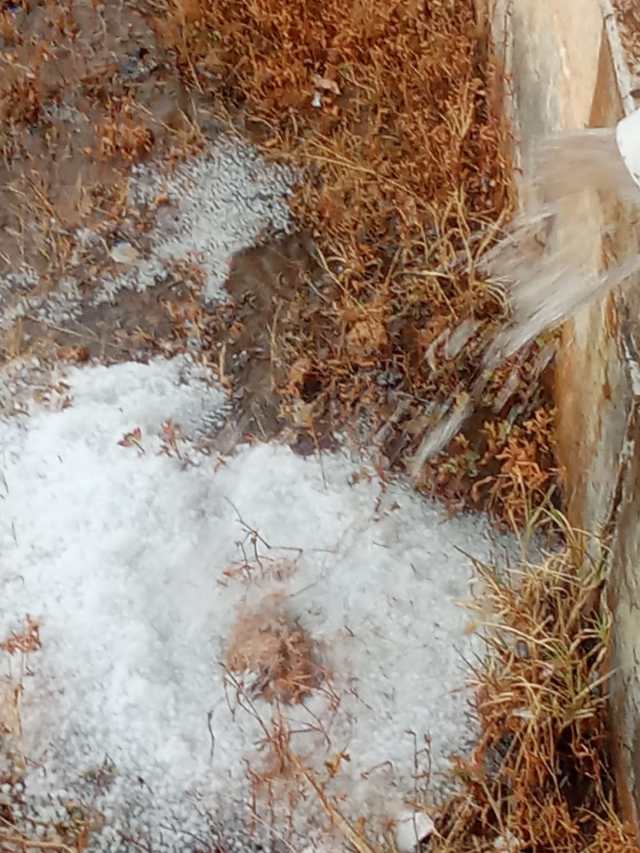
[544, 266]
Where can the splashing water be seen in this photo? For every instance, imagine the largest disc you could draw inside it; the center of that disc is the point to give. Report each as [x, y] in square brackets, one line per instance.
[542, 266]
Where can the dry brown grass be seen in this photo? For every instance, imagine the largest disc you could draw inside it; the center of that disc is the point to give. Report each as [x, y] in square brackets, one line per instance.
[275, 652]
[540, 773]
[21, 100]
[394, 113]
[122, 133]
[629, 20]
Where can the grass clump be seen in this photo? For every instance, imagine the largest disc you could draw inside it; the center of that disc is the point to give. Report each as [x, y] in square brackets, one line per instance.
[540, 777]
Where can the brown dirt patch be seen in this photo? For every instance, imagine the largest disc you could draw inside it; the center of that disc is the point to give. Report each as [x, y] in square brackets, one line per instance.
[261, 281]
[70, 76]
[267, 283]
[136, 326]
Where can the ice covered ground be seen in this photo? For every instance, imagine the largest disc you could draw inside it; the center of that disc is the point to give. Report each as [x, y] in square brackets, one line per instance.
[137, 555]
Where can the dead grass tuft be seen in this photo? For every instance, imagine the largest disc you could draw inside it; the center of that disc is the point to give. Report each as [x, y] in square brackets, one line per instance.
[15, 650]
[510, 470]
[276, 652]
[8, 31]
[629, 20]
[21, 100]
[540, 777]
[27, 640]
[393, 111]
[19, 832]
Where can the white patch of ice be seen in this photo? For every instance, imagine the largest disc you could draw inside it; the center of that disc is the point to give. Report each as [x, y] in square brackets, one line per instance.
[120, 552]
[217, 204]
[21, 295]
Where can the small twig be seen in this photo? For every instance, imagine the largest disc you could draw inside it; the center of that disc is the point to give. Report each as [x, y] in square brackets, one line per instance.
[360, 843]
[211, 735]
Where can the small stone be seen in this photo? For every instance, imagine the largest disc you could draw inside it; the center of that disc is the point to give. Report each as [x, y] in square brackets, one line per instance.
[412, 827]
[124, 253]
